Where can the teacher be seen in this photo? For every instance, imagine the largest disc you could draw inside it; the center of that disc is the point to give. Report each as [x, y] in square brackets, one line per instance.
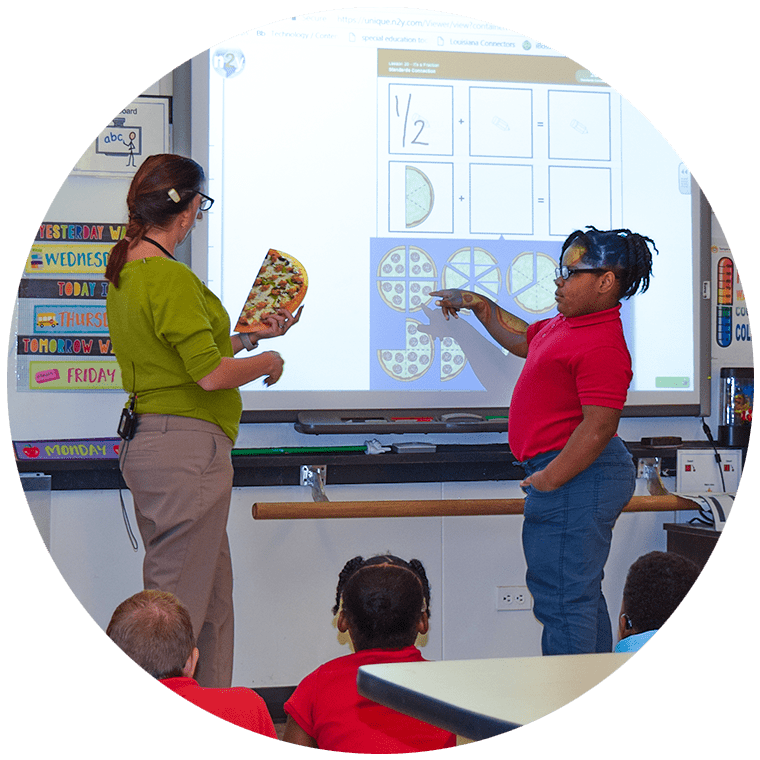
[171, 337]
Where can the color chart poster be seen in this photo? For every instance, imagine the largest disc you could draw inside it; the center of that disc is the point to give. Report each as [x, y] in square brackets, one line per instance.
[731, 336]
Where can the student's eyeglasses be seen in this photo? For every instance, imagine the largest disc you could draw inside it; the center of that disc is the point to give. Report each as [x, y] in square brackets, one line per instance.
[565, 273]
[206, 203]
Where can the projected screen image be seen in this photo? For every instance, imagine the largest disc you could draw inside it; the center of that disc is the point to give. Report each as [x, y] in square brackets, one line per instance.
[397, 155]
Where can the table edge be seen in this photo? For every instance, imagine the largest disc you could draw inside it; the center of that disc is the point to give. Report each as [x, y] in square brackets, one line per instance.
[467, 723]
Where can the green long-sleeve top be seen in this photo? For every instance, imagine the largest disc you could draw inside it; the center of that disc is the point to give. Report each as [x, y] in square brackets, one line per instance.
[168, 330]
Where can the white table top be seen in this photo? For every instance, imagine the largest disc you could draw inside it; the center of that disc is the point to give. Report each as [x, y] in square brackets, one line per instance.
[481, 698]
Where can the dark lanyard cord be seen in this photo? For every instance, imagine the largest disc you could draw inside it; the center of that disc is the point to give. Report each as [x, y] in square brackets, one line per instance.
[123, 446]
[159, 246]
[122, 456]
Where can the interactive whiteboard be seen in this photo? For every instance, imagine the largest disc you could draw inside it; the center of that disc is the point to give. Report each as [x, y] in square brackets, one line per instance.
[396, 154]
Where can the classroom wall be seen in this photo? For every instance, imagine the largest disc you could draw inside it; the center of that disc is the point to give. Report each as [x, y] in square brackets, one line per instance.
[286, 571]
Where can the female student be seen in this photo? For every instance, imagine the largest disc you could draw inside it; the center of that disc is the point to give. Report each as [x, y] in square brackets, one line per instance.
[171, 337]
[563, 421]
[383, 603]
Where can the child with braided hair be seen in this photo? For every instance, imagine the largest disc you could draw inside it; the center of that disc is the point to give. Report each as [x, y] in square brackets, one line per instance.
[563, 421]
[383, 603]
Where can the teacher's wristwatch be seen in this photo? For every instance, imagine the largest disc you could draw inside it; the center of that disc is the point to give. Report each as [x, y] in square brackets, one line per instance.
[248, 344]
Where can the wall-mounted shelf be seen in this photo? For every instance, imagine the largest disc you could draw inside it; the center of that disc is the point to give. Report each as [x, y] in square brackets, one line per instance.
[447, 463]
[402, 422]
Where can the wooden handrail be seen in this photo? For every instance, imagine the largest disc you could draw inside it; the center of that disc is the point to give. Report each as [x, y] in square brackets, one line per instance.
[308, 510]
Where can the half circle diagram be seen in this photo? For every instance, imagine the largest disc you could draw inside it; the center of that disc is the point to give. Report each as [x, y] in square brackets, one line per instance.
[419, 196]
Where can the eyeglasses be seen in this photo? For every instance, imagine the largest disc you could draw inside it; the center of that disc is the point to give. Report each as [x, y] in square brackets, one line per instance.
[206, 203]
[565, 273]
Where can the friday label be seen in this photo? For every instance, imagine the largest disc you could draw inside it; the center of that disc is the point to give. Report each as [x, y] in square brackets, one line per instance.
[101, 375]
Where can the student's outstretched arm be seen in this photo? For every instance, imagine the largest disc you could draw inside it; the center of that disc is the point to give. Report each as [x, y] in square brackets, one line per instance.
[506, 329]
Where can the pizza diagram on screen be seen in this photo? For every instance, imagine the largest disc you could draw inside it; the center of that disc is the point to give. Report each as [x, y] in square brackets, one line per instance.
[406, 277]
[473, 269]
[418, 196]
[413, 361]
[453, 359]
[530, 281]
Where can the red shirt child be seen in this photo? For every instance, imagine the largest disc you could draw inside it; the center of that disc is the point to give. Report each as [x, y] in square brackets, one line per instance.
[327, 706]
[383, 604]
[573, 362]
[238, 705]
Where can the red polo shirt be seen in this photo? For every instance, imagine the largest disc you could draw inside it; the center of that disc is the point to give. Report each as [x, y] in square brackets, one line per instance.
[572, 362]
[238, 705]
[328, 708]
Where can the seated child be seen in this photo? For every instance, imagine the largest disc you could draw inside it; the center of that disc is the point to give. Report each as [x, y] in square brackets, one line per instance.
[656, 584]
[154, 628]
[383, 603]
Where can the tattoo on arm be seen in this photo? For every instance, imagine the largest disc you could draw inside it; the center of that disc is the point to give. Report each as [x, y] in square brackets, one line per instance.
[510, 322]
[506, 329]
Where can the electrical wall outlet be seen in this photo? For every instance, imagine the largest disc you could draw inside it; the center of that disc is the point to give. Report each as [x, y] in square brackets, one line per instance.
[513, 598]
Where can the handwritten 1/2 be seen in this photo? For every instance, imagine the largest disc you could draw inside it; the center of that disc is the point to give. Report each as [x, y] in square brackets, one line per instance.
[420, 122]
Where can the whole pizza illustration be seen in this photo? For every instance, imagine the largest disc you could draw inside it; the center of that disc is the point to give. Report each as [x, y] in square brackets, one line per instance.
[473, 269]
[406, 277]
[530, 281]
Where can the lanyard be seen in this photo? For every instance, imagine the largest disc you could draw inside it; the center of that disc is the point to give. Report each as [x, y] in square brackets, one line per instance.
[159, 246]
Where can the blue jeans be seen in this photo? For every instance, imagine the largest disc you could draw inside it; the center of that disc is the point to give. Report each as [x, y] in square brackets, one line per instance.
[566, 539]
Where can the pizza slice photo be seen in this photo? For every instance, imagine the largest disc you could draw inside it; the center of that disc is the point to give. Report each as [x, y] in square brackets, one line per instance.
[281, 283]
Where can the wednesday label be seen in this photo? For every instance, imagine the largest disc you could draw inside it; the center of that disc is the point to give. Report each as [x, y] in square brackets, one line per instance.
[63, 258]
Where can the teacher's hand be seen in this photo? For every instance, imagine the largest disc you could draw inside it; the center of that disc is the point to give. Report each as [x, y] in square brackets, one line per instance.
[278, 324]
[274, 371]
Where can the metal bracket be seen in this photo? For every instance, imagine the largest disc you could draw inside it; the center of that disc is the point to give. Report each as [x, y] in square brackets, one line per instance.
[315, 475]
[649, 469]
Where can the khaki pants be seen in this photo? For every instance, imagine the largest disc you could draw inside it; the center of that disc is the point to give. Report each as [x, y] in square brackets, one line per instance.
[179, 471]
